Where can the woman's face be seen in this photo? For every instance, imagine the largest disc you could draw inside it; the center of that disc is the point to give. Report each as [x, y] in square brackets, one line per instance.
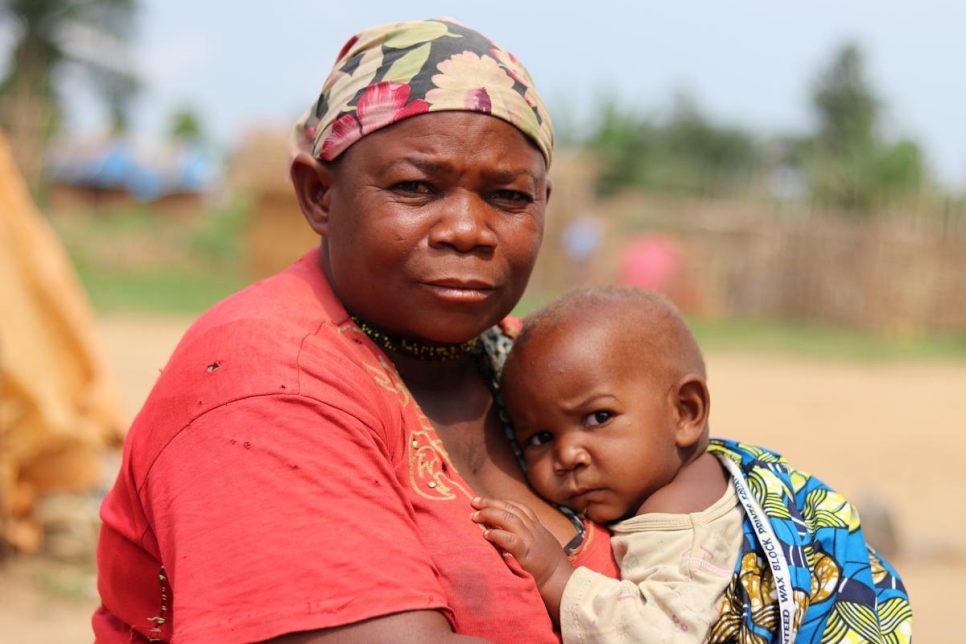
[433, 224]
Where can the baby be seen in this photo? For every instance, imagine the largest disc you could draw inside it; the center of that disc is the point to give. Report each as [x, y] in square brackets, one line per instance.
[717, 540]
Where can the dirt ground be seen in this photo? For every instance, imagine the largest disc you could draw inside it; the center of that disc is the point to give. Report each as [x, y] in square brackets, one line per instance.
[885, 434]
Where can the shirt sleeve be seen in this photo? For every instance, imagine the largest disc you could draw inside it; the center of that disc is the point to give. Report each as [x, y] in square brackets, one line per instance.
[277, 514]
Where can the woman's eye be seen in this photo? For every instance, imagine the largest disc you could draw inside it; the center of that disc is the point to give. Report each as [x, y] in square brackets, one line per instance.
[512, 196]
[596, 418]
[414, 187]
[540, 438]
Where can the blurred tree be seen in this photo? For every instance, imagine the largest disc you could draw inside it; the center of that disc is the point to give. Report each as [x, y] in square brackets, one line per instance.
[849, 163]
[846, 105]
[625, 143]
[52, 36]
[901, 168]
[703, 158]
[846, 162]
[683, 153]
[185, 126]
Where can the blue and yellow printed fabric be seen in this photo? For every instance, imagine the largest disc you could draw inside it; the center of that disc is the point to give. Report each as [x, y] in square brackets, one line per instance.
[805, 573]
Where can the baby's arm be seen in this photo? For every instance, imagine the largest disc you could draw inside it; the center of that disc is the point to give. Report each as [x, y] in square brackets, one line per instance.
[514, 527]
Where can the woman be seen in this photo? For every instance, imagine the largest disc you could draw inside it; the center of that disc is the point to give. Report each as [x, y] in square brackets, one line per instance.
[304, 467]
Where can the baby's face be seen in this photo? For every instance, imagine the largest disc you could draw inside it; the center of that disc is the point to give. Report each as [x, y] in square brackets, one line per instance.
[596, 428]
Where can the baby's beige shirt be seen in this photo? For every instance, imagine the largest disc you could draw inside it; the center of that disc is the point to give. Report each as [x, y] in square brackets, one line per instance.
[674, 571]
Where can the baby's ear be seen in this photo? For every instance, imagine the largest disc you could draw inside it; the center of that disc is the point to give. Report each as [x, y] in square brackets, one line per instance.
[693, 406]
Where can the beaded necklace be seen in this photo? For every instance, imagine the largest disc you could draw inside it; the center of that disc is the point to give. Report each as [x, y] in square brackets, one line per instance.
[415, 348]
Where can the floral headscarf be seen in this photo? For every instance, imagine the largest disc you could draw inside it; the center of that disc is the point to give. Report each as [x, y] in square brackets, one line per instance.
[388, 73]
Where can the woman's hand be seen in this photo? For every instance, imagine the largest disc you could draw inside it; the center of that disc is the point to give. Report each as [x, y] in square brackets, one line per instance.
[515, 529]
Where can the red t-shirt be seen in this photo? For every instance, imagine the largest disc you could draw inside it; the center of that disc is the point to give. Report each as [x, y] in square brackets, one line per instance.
[280, 478]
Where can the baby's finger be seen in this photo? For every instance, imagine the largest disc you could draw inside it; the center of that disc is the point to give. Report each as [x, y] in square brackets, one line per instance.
[506, 518]
[516, 507]
[481, 502]
[506, 541]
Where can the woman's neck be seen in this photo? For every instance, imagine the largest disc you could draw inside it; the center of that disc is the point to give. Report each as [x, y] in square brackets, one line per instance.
[427, 367]
[435, 376]
[416, 348]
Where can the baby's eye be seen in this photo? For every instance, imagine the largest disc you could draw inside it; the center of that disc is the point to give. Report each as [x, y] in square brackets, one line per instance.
[599, 417]
[540, 438]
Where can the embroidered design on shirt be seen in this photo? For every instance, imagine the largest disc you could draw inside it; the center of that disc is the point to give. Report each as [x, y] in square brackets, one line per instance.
[429, 465]
[159, 620]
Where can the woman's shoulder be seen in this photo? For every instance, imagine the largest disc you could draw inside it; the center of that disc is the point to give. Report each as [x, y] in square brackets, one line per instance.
[263, 330]
[283, 336]
[293, 299]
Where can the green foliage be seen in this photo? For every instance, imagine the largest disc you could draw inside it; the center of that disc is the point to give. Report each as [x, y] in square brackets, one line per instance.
[625, 143]
[52, 34]
[178, 290]
[137, 260]
[218, 240]
[845, 103]
[683, 153]
[901, 168]
[846, 163]
[185, 126]
[850, 164]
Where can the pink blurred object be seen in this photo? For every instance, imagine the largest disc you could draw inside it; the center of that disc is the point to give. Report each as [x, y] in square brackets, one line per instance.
[651, 262]
[659, 263]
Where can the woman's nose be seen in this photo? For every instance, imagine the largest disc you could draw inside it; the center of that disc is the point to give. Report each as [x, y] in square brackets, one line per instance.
[463, 223]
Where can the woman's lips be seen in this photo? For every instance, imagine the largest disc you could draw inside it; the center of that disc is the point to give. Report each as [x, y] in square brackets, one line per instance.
[460, 290]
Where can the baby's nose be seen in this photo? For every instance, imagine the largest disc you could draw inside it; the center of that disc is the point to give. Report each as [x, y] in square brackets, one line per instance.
[571, 455]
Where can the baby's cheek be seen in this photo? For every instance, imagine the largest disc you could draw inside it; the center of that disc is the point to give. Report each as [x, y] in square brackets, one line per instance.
[542, 479]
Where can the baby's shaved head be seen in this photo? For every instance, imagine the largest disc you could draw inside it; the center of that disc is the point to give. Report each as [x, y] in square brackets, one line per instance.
[646, 322]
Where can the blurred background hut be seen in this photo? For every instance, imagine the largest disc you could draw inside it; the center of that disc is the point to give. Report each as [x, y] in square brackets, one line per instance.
[276, 233]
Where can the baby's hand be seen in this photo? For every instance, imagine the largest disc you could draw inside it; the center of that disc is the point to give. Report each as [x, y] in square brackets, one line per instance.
[514, 527]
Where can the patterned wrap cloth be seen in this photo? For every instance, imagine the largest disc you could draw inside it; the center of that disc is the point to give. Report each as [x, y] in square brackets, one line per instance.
[392, 72]
[805, 573]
